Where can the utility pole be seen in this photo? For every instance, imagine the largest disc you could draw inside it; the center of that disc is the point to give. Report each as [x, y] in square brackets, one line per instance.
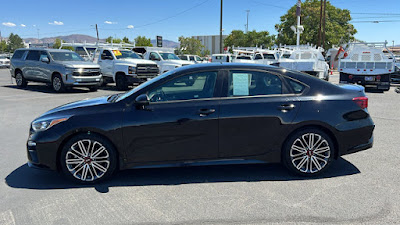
[97, 32]
[323, 25]
[221, 47]
[320, 25]
[247, 24]
[38, 34]
[298, 12]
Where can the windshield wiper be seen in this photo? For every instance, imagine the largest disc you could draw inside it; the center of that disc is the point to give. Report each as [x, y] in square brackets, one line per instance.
[113, 98]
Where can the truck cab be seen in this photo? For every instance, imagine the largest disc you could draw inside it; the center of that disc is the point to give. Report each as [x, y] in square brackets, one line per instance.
[124, 67]
[164, 57]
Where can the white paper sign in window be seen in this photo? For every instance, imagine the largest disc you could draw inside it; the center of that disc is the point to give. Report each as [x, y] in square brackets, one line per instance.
[240, 84]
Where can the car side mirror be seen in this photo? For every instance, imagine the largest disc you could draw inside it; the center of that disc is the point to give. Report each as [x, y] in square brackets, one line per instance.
[45, 60]
[141, 101]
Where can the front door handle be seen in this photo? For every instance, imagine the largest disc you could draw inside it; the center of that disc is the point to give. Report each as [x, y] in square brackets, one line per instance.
[286, 107]
[206, 112]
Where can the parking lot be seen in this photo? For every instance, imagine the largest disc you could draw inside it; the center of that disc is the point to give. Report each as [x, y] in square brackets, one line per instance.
[358, 188]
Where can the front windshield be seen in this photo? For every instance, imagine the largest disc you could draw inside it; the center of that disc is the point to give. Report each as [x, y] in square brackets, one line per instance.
[125, 54]
[143, 85]
[168, 56]
[66, 56]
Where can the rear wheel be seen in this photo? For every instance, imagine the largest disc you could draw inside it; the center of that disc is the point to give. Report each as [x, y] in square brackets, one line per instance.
[58, 84]
[121, 82]
[20, 80]
[88, 158]
[308, 152]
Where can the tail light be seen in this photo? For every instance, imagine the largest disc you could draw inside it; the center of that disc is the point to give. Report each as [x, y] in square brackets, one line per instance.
[361, 101]
[378, 78]
[350, 77]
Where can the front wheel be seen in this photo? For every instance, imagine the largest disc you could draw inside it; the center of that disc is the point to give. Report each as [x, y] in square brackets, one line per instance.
[121, 82]
[308, 152]
[88, 158]
[58, 84]
[20, 80]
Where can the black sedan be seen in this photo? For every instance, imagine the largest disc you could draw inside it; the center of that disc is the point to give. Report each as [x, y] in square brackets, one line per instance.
[206, 113]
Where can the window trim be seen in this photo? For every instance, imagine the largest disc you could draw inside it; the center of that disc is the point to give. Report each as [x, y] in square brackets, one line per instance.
[217, 87]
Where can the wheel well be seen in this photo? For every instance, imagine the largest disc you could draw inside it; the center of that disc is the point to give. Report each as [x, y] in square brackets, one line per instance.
[16, 71]
[324, 129]
[53, 74]
[83, 132]
[118, 74]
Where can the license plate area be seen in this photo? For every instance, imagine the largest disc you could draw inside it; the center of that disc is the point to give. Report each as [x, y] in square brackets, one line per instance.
[369, 78]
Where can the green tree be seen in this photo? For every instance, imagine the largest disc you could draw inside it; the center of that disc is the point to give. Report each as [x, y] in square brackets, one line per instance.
[189, 45]
[3, 46]
[249, 39]
[143, 41]
[113, 40]
[57, 43]
[125, 40]
[337, 29]
[14, 42]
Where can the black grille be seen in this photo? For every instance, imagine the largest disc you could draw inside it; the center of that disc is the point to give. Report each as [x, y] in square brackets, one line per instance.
[87, 73]
[147, 70]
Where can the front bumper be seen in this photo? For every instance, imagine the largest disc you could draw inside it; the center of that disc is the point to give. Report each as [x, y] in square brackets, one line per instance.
[84, 81]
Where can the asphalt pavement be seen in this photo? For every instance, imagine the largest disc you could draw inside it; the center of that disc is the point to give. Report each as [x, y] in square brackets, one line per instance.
[360, 188]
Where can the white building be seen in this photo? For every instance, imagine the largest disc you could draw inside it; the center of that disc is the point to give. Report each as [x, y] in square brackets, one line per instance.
[211, 42]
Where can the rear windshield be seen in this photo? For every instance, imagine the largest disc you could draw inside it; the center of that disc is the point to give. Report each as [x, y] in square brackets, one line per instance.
[18, 54]
[65, 56]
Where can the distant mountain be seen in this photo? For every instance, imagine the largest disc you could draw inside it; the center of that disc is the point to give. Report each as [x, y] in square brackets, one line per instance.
[90, 39]
[68, 38]
[166, 43]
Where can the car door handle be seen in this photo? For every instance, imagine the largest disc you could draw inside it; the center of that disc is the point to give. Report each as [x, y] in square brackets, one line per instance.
[286, 107]
[206, 112]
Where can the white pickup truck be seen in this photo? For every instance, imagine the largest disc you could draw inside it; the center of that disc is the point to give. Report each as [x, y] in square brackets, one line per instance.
[367, 64]
[307, 59]
[124, 67]
[164, 57]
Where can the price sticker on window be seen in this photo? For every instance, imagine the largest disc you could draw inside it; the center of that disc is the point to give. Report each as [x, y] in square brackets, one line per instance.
[240, 84]
[117, 53]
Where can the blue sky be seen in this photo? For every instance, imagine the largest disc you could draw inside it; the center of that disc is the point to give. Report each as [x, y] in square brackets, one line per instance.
[172, 18]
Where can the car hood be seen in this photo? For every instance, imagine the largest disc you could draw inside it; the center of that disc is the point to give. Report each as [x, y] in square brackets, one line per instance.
[178, 62]
[135, 61]
[79, 64]
[66, 109]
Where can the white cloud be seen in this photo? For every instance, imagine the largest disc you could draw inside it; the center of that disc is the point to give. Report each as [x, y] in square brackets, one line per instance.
[109, 22]
[130, 27]
[9, 24]
[23, 25]
[59, 23]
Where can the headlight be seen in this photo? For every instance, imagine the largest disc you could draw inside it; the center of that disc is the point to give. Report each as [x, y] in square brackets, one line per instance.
[131, 69]
[46, 124]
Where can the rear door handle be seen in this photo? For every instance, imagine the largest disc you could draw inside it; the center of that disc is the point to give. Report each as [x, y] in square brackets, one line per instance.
[206, 112]
[286, 107]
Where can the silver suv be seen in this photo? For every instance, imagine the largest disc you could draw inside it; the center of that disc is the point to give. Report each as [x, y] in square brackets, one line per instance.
[60, 68]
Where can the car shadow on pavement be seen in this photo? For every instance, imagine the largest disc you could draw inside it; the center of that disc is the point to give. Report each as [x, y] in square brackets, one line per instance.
[47, 89]
[28, 178]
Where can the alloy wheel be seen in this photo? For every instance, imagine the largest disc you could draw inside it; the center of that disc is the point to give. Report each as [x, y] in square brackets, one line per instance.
[87, 160]
[18, 79]
[310, 153]
[57, 84]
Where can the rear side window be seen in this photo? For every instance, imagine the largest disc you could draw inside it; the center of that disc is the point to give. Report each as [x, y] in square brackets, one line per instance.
[191, 58]
[253, 83]
[33, 55]
[296, 86]
[18, 54]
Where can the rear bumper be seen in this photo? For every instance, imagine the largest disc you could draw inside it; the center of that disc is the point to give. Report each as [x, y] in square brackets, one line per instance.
[383, 84]
[360, 147]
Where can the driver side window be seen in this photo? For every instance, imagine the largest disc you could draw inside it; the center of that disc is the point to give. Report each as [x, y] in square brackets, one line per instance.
[106, 55]
[154, 56]
[192, 86]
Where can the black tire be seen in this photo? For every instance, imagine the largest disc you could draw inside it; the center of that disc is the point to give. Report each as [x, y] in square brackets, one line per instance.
[302, 162]
[121, 82]
[57, 83]
[20, 80]
[96, 170]
[93, 89]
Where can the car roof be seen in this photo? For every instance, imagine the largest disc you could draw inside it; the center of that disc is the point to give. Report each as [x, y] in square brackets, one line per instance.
[45, 49]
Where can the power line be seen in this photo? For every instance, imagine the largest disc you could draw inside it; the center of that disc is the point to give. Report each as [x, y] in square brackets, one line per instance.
[270, 5]
[169, 17]
[377, 21]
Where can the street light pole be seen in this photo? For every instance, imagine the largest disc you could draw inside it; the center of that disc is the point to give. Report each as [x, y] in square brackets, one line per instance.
[298, 12]
[247, 24]
[221, 47]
